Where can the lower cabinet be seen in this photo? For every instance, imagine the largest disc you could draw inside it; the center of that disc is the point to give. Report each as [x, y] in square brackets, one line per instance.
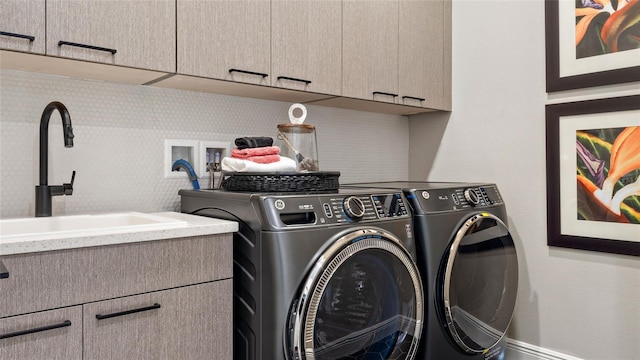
[153, 300]
[191, 322]
[46, 335]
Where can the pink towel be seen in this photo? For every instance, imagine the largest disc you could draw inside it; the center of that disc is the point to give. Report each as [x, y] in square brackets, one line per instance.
[264, 159]
[251, 152]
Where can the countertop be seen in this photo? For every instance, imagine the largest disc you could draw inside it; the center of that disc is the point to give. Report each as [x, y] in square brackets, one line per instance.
[195, 226]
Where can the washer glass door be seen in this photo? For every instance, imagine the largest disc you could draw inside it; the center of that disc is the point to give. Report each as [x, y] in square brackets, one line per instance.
[362, 300]
[480, 283]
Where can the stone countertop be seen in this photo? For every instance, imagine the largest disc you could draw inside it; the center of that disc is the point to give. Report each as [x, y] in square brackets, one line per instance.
[195, 226]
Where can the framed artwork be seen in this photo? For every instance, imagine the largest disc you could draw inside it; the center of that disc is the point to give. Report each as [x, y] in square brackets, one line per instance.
[593, 175]
[591, 43]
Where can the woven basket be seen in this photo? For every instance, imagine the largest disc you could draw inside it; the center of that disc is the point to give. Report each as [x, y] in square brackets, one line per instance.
[321, 181]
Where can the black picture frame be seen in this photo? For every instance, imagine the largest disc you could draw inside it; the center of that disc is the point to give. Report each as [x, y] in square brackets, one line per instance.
[553, 113]
[557, 83]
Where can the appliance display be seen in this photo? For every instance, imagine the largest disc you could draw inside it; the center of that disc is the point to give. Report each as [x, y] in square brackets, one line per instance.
[468, 264]
[320, 276]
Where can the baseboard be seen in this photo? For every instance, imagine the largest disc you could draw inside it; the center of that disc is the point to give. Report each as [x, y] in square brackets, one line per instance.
[519, 350]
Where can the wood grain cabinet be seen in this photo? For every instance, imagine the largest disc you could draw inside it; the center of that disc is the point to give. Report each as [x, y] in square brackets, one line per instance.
[191, 322]
[138, 34]
[425, 64]
[398, 51]
[306, 50]
[370, 50]
[54, 334]
[164, 299]
[22, 25]
[225, 39]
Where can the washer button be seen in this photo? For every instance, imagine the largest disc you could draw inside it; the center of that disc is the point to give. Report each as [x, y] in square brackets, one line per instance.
[327, 210]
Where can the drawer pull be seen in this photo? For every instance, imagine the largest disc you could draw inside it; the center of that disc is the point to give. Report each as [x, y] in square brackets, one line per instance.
[384, 93]
[35, 330]
[248, 72]
[294, 79]
[4, 273]
[85, 46]
[21, 36]
[413, 98]
[127, 312]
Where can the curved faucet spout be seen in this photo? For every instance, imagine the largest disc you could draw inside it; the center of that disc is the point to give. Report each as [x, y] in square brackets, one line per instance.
[44, 136]
[44, 192]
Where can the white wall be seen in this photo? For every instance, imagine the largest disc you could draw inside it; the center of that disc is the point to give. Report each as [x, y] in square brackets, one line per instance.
[586, 304]
[119, 140]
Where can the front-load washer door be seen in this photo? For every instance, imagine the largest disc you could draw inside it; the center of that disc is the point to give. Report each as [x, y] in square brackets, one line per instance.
[478, 283]
[362, 300]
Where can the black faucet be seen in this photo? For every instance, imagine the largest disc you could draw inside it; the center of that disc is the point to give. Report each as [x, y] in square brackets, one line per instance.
[44, 192]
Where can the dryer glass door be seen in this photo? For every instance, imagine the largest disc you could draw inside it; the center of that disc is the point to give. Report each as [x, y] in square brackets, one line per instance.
[362, 300]
[480, 283]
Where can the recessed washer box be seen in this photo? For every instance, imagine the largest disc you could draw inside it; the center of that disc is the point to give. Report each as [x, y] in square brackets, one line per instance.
[212, 152]
[176, 149]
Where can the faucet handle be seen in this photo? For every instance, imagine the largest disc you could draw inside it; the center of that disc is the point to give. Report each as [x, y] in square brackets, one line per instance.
[68, 187]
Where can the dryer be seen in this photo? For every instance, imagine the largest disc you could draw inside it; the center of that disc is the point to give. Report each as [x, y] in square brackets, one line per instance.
[468, 264]
[320, 276]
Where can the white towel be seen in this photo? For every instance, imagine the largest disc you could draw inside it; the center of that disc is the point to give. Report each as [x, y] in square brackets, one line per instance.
[240, 165]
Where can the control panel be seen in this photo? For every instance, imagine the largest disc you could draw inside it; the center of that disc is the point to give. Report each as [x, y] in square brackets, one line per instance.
[336, 208]
[457, 198]
[366, 207]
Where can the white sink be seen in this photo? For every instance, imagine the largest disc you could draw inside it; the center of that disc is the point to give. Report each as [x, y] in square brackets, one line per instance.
[56, 227]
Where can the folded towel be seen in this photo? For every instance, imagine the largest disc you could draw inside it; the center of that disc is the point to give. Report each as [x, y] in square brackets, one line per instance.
[249, 152]
[264, 159]
[240, 165]
[253, 142]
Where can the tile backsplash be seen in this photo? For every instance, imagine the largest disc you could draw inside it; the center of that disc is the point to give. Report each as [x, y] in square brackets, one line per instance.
[120, 130]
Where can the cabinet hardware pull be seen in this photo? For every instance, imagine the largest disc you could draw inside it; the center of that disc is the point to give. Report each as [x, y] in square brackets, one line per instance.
[112, 51]
[21, 36]
[413, 98]
[248, 72]
[294, 79]
[127, 312]
[4, 273]
[35, 330]
[384, 93]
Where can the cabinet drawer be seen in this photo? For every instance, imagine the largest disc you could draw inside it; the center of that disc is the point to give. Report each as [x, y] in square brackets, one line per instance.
[55, 334]
[70, 277]
[192, 322]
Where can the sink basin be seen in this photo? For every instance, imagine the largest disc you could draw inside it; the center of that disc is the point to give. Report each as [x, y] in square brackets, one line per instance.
[56, 227]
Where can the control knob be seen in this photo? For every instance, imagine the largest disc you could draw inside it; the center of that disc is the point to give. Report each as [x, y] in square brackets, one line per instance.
[472, 197]
[353, 207]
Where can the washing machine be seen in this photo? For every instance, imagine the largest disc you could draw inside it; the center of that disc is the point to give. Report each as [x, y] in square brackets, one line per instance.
[468, 264]
[320, 276]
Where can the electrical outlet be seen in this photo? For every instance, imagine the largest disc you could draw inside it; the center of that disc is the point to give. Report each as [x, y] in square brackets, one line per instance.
[176, 149]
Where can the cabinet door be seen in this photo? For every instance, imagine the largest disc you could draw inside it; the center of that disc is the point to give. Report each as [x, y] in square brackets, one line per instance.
[422, 50]
[137, 33]
[55, 334]
[370, 50]
[225, 39]
[306, 50]
[22, 21]
[192, 322]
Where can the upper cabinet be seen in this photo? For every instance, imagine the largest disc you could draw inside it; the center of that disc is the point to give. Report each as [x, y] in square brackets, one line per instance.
[425, 50]
[137, 34]
[22, 25]
[226, 39]
[390, 56]
[398, 51]
[306, 50]
[370, 50]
